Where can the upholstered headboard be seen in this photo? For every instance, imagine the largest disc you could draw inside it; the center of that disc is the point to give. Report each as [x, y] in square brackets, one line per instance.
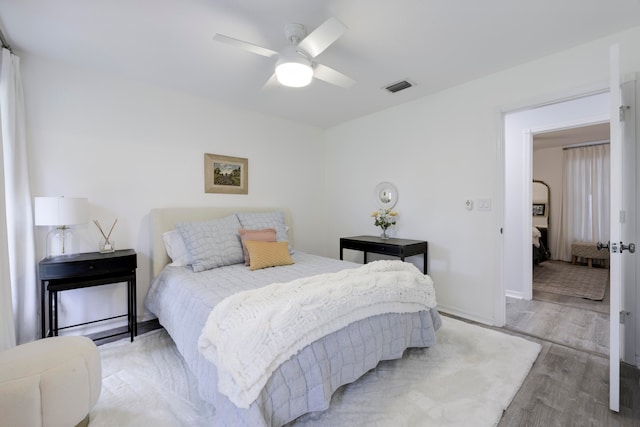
[165, 219]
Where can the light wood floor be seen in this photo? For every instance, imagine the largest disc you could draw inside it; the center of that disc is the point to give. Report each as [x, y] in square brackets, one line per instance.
[569, 387]
[568, 384]
[579, 328]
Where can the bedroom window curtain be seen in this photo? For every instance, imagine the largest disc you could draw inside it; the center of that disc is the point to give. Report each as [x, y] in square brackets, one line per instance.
[585, 202]
[18, 286]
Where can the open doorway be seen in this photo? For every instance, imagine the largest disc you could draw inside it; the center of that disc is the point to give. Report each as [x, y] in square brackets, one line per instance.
[550, 320]
[570, 281]
[573, 219]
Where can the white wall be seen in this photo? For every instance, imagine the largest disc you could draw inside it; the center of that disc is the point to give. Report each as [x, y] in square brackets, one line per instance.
[444, 149]
[129, 148]
[420, 148]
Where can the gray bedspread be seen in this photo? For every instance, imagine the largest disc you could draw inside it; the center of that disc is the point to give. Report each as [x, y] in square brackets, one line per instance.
[182, 301]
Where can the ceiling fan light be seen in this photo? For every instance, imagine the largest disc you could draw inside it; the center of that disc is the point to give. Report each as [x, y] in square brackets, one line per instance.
[294, 70]
[293, 74]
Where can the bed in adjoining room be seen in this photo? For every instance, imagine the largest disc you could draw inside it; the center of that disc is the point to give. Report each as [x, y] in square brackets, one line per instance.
[318, 323]
[540, 252]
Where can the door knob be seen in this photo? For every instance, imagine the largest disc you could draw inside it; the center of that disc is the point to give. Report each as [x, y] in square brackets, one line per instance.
[600, 246]
[631, 247]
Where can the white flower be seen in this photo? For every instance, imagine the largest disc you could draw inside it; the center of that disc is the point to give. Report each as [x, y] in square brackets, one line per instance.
[384, 218]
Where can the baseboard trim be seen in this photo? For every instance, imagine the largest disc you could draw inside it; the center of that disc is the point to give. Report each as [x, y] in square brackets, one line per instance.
[465, 315]
[514, 294]
[119, 333]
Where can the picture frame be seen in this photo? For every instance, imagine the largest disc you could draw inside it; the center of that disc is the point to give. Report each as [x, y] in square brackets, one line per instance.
[538, 209]
[226, 174]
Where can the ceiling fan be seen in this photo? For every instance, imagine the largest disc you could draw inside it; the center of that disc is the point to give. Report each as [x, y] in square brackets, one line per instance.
[295, 66]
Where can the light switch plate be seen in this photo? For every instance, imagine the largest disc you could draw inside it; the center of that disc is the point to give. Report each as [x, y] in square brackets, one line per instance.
[483, 205]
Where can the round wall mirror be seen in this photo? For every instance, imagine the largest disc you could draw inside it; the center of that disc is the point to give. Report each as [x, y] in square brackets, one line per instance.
[386, 195]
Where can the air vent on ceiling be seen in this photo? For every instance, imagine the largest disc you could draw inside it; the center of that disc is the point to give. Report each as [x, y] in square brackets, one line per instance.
[397, 87]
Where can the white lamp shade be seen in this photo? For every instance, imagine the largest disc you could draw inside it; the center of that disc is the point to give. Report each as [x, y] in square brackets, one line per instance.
[58, 211]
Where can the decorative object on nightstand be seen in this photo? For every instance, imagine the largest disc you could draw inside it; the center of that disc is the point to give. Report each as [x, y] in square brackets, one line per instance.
[385, 195]
[107, 245]
[60, 212]
[384, 218]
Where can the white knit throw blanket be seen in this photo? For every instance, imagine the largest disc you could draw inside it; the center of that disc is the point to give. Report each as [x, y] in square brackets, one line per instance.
[249, 334]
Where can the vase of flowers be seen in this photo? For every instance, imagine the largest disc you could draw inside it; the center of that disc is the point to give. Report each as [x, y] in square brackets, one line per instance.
[384, 218]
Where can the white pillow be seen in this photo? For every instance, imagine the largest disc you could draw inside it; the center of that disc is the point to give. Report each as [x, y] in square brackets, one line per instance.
[176, 248]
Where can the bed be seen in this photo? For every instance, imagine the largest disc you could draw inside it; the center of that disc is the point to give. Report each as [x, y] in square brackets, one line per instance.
[185, 301]
[540, 252]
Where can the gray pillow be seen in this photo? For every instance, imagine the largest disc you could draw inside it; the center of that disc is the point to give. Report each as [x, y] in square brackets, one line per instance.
[212, 243]
[262, 220]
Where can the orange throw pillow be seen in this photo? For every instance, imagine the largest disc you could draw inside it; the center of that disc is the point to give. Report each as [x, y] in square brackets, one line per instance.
[268, 254]
[264, 235]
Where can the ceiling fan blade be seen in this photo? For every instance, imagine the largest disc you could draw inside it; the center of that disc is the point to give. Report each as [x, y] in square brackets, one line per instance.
[329, 75]
[322, 37]
[250, 47]
[271, 83]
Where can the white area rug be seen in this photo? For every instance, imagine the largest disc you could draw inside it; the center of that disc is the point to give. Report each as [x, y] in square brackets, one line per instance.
[468, 378]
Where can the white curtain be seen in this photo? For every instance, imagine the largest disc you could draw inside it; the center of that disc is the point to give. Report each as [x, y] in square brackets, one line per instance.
[18, 287]
[585, 201]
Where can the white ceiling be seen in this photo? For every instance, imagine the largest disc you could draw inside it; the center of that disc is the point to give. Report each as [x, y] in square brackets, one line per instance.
[433, 43]
[580, 135]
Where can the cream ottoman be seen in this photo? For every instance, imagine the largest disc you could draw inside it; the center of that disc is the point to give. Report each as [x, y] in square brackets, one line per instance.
[50, 382]
[589, 251]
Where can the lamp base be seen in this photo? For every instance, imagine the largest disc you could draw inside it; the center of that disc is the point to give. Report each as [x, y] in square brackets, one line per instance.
[59, 241]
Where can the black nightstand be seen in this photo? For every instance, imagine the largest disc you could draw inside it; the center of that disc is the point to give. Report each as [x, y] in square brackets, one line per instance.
[84, 270]
[396, 247]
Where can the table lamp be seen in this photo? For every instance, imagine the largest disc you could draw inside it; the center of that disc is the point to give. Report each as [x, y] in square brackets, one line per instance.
[60, 212]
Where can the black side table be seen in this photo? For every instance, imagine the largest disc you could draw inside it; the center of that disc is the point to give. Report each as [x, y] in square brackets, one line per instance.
[396, 247]
[84, 270]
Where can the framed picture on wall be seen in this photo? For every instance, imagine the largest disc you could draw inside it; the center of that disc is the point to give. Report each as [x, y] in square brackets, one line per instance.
[224, 174]
[538, 209]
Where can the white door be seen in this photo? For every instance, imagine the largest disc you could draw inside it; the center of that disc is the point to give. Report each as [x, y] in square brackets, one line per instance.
[623, 209]
[629, 222]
